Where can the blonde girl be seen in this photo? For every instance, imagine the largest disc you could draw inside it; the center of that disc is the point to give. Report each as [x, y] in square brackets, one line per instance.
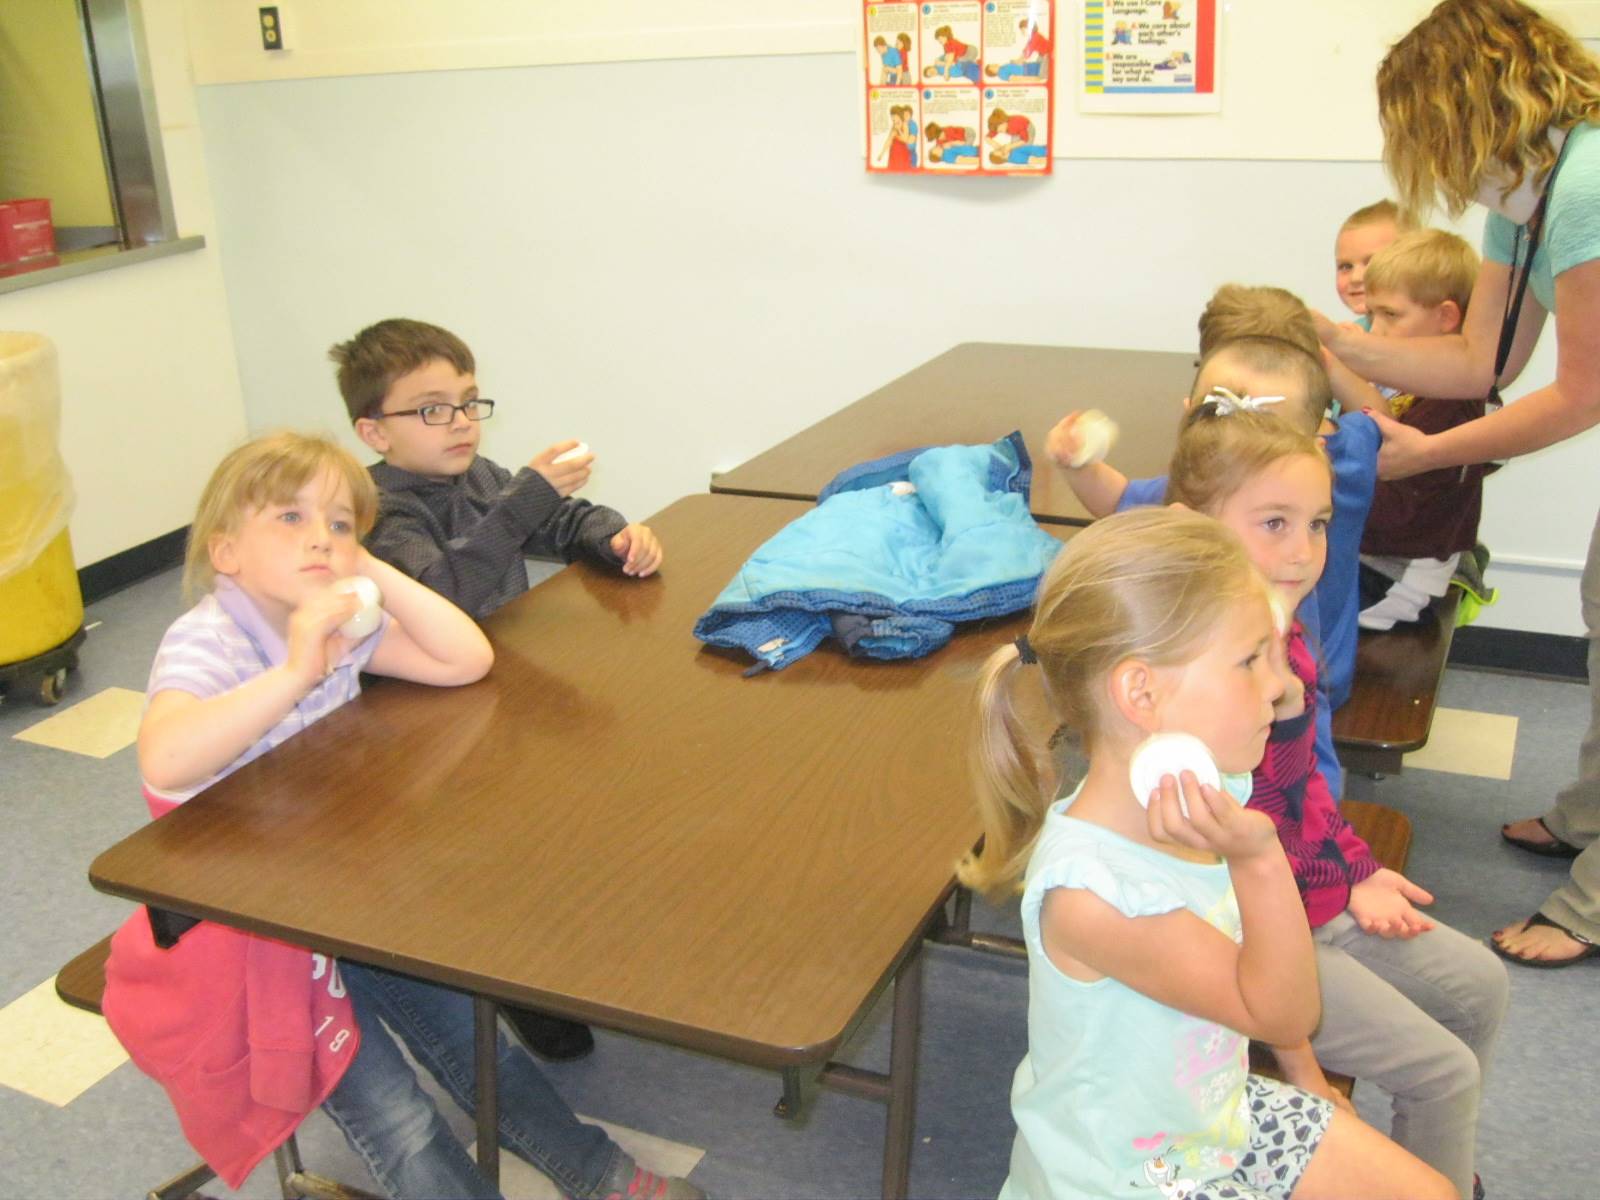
[1158, 942]
[257, 660]
[1407, 1004]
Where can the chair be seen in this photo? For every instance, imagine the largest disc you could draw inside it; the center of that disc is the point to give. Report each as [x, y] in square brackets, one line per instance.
[82, 983]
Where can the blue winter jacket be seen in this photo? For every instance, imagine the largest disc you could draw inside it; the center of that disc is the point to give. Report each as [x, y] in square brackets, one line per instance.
[889, 569]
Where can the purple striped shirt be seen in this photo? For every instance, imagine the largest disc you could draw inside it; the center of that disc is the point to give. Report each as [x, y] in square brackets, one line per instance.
[224, 642]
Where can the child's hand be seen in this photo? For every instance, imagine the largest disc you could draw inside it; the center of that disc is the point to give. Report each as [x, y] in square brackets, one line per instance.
[639, 549]
[566, 477]
[1216, 822]
[315, 643]
[1063, 443]
[1381, 904]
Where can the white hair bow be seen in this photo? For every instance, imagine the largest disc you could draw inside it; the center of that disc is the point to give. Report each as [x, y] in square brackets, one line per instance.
[1229, 402]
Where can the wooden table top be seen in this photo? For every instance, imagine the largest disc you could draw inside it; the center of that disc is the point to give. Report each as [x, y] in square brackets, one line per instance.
[979, 392]
[614, 824]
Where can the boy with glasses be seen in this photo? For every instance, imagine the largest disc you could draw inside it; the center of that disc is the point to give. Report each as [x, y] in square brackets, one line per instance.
[462, 524]
[448, 516]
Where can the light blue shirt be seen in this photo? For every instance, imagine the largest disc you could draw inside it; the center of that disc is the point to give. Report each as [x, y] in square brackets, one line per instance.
[1572, 221]
[1114, 1080]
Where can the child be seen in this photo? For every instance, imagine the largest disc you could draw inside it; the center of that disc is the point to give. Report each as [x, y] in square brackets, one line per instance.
[1363, 234]
[256, 661]
[1237, 311]
[1269, 367]
[1160, 940]
[1407, 1004]
[449, 516]
[1419, 526]
[461, 523]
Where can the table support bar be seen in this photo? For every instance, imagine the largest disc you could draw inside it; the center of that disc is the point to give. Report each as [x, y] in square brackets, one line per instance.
[486, 1034]
[903, 1041]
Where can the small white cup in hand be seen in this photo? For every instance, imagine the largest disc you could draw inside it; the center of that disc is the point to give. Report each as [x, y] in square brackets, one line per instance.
[1097, 433]
[367, 616]
[1170, 754]
[577, 451]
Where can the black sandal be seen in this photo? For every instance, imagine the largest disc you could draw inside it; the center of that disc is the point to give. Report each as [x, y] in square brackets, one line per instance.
[1555, 848]
[1589, 948]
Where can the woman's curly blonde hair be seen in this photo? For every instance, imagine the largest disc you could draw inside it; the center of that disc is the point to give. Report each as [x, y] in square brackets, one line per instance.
[1473, 92]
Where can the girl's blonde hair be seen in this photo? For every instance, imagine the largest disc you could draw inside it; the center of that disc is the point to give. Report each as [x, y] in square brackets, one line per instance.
[269, 470]
[1220, 451]
[1475, 90]
[1150, 584]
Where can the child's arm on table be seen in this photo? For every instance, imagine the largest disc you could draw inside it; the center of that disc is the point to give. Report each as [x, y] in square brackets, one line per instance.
[185, 738]
[429, 640]
[1265, 988]
[639, 549]
[1097, 486]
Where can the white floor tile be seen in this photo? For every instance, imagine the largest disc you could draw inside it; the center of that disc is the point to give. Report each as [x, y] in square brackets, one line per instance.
[52, 1051]
[97, 727]
[1468, 743]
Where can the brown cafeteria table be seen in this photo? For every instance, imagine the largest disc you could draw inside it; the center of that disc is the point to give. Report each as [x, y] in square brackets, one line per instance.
[979, 392]
[617, 827]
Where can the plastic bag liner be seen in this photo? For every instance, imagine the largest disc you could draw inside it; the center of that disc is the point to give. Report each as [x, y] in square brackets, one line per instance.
[36, 495]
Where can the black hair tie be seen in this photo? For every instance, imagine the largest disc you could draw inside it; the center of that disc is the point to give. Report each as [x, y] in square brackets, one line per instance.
[1025, 651]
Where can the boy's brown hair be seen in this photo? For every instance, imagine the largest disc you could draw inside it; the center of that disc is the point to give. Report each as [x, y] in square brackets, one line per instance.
[1236, 310]
[1304, 412]
[370, 362]
[1428, 266]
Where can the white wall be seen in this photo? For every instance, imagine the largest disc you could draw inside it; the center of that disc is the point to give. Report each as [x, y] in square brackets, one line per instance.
[149, 383]
[683, 262]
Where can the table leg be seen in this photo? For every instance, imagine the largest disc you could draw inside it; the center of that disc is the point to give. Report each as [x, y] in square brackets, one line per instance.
[903, 1039]
[485, 1014]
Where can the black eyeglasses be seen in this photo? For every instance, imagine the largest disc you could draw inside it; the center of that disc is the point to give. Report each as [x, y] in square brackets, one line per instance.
[443, 414]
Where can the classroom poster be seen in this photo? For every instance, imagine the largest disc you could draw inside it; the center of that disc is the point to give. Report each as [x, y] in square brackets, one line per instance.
[1149, 56]
[959, 87]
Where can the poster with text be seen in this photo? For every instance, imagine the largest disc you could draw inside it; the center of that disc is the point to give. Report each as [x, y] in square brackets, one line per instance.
[1015, 121]
[892, 45]
[1149, 56]
[952, 129]
[937, 71]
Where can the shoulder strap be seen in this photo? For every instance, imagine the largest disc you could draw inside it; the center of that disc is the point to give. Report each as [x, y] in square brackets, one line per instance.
[1508, 323]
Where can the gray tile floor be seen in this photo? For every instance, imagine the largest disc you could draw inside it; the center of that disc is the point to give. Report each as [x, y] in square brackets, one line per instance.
[1541, 1108]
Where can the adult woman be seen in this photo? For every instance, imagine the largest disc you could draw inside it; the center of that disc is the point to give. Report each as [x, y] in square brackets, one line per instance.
[1487, 101]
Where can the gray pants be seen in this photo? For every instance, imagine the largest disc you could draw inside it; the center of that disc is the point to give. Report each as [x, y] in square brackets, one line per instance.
[1575, 905]
[1419, 1019]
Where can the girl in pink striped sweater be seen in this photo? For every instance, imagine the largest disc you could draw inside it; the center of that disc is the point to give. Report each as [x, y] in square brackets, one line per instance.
[1407, 1003]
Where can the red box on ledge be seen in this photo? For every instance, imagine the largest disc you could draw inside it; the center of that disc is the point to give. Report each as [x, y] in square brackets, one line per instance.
[26, 231]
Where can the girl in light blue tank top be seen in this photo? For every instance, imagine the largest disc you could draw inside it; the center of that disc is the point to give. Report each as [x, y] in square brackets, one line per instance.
[1163, 931]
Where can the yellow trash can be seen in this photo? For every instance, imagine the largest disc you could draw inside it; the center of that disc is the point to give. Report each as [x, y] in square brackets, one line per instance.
[41, 609]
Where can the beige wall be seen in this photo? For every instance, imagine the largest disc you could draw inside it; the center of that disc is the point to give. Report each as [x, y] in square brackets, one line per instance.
[150, 391]
[49, 140]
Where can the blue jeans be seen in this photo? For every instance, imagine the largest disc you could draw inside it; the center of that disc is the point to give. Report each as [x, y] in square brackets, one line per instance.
[395, 1126]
